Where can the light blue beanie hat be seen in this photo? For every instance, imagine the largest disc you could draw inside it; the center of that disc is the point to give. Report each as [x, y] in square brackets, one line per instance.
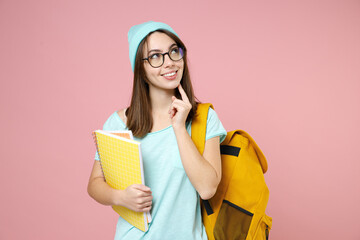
[138, 32]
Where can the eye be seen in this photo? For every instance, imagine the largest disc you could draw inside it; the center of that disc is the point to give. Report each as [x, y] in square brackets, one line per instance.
[175, 50]
[154, 56]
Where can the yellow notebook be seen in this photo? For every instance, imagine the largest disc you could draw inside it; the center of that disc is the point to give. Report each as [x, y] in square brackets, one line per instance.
[121, 162]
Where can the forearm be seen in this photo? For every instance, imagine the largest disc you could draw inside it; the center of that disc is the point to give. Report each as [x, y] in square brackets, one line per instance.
[201, 173]
[101, 192]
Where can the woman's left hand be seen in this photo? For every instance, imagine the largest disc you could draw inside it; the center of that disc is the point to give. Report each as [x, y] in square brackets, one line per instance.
[179, 109]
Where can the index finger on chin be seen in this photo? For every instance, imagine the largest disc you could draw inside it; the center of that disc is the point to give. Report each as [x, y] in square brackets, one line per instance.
[183, 94]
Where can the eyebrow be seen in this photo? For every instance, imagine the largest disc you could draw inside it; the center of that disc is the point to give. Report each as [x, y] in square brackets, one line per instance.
[158, 50]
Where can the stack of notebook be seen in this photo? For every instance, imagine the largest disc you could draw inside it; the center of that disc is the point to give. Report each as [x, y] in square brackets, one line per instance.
[121, 162]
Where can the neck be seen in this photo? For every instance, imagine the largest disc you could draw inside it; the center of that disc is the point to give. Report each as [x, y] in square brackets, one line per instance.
[160, 99]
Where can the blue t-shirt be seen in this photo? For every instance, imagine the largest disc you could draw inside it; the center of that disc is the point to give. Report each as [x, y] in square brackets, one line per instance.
[175, 211]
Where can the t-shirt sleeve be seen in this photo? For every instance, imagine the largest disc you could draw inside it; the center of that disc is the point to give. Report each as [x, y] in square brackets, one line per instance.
[113, 123]
[214, 126]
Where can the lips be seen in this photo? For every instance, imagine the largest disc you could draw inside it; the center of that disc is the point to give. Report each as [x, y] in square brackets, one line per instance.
[170, 75]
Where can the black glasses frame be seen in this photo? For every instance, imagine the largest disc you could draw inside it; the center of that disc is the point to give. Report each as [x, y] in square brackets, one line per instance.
[167, 53]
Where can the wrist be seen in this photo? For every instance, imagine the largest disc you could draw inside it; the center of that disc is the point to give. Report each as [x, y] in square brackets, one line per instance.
[179, 128]
[118, 197]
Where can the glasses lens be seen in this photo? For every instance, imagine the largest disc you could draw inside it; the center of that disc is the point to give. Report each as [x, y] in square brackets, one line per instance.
[176, 53]
[156, 59]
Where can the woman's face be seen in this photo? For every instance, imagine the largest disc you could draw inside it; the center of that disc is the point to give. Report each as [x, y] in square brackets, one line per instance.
[169, 75]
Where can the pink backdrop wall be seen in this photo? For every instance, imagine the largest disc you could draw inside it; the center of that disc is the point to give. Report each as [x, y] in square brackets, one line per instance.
[287, 72]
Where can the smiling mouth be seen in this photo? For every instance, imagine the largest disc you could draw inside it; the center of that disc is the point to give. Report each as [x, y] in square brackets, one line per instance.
[169, 74]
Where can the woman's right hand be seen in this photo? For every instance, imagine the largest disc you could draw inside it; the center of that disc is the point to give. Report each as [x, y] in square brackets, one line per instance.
[137, 197]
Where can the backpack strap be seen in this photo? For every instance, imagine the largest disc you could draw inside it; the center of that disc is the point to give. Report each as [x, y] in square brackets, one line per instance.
[198, 126]
[198, 135]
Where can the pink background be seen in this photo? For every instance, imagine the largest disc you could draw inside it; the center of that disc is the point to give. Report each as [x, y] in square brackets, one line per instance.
[287, 72]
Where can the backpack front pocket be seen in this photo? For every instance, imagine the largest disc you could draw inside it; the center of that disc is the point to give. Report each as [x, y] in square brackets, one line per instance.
[233, 222]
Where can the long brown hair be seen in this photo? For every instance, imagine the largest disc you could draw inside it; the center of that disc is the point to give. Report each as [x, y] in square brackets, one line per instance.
[139, 117]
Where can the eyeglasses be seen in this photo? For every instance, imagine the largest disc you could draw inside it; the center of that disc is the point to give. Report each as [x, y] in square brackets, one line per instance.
[157, 59]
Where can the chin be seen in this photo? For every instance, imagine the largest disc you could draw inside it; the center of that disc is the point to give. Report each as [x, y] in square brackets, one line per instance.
[172, 84]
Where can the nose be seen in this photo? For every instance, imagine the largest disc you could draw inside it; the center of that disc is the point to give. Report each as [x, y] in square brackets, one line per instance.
[167, 60]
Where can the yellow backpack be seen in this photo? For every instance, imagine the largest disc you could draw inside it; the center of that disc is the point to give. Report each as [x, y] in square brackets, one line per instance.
[237, 210]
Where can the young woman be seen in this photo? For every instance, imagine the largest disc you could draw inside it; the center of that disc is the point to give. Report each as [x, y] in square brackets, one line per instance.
[160, 113]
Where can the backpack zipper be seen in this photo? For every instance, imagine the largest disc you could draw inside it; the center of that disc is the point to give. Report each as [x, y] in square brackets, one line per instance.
[267, 232]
